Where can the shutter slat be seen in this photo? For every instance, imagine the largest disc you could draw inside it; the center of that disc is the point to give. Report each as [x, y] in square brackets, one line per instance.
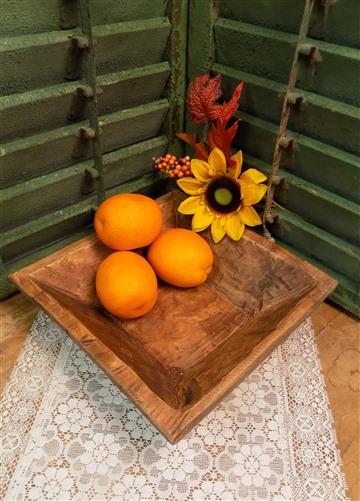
[317, 206]
[24, 60]
[62, 188]
[47, 197]
[42, 153]
[38, 16]
[268, 53]
[323, 246]
[20, 113]
[327, 23]
[314, 161]
[346, 294]
[254, 42]
[318, 117]
[31, 235]
[22, 240]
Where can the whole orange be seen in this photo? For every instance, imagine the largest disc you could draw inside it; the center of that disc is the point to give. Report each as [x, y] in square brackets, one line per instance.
[181, 257]
[128, 221]
[126, 285]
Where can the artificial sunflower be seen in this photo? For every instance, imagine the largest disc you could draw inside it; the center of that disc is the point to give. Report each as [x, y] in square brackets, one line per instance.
[221, 196]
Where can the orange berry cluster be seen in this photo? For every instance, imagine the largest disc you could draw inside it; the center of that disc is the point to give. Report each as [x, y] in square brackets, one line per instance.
[172, 166]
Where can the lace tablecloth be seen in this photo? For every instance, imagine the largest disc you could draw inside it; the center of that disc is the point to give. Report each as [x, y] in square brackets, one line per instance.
[70, 434]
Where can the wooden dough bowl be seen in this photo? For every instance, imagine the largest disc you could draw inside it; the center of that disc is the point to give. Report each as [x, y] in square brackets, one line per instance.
[179, 360]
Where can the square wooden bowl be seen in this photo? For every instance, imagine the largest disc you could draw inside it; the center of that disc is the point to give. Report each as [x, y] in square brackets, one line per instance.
[178, 361]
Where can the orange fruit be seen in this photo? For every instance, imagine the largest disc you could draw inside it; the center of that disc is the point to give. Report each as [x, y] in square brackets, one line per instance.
[181, 257]
[128, 221]
[126, 285]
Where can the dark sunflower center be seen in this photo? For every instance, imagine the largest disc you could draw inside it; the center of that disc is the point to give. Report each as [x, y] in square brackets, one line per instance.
[223, 195]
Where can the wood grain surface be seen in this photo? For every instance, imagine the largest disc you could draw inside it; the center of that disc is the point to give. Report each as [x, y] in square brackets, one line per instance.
[178, 361]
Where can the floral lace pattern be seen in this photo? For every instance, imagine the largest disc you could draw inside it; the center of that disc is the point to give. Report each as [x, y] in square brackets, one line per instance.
[70, 434]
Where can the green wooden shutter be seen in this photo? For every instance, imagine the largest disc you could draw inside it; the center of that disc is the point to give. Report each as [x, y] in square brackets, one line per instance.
[254, 41]
[46, 199]
[141, 45]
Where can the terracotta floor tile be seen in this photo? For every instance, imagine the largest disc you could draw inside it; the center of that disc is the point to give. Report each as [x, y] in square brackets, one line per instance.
[16, 317]
[322, 316]
[339, 349]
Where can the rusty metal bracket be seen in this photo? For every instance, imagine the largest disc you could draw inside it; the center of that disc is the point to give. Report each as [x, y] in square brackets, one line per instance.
[78, 44]
[282, 142]
[79, 101]
[327, 3]
[323, 9]
[270, 218]
[84, 136]
[277, 180]
[92, 172]
[89, 179]
[80, 41]
[68, 14]
[82, 143]
[84, 91]
[311, 52]
[86, 133]
[288, 143]
[295, 98]
[87, 92]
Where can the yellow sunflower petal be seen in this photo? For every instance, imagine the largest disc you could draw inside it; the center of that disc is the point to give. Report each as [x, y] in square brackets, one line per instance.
[235, 170]
[253, 176]
[202, 219]
[251, 193]
[190, 205]
[249, 216]
[217, 230]
[190, 185]
[217, 161]
[200, 169]
[234, 227]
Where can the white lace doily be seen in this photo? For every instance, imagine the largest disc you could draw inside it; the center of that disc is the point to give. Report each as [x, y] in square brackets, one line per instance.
[70, 434]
